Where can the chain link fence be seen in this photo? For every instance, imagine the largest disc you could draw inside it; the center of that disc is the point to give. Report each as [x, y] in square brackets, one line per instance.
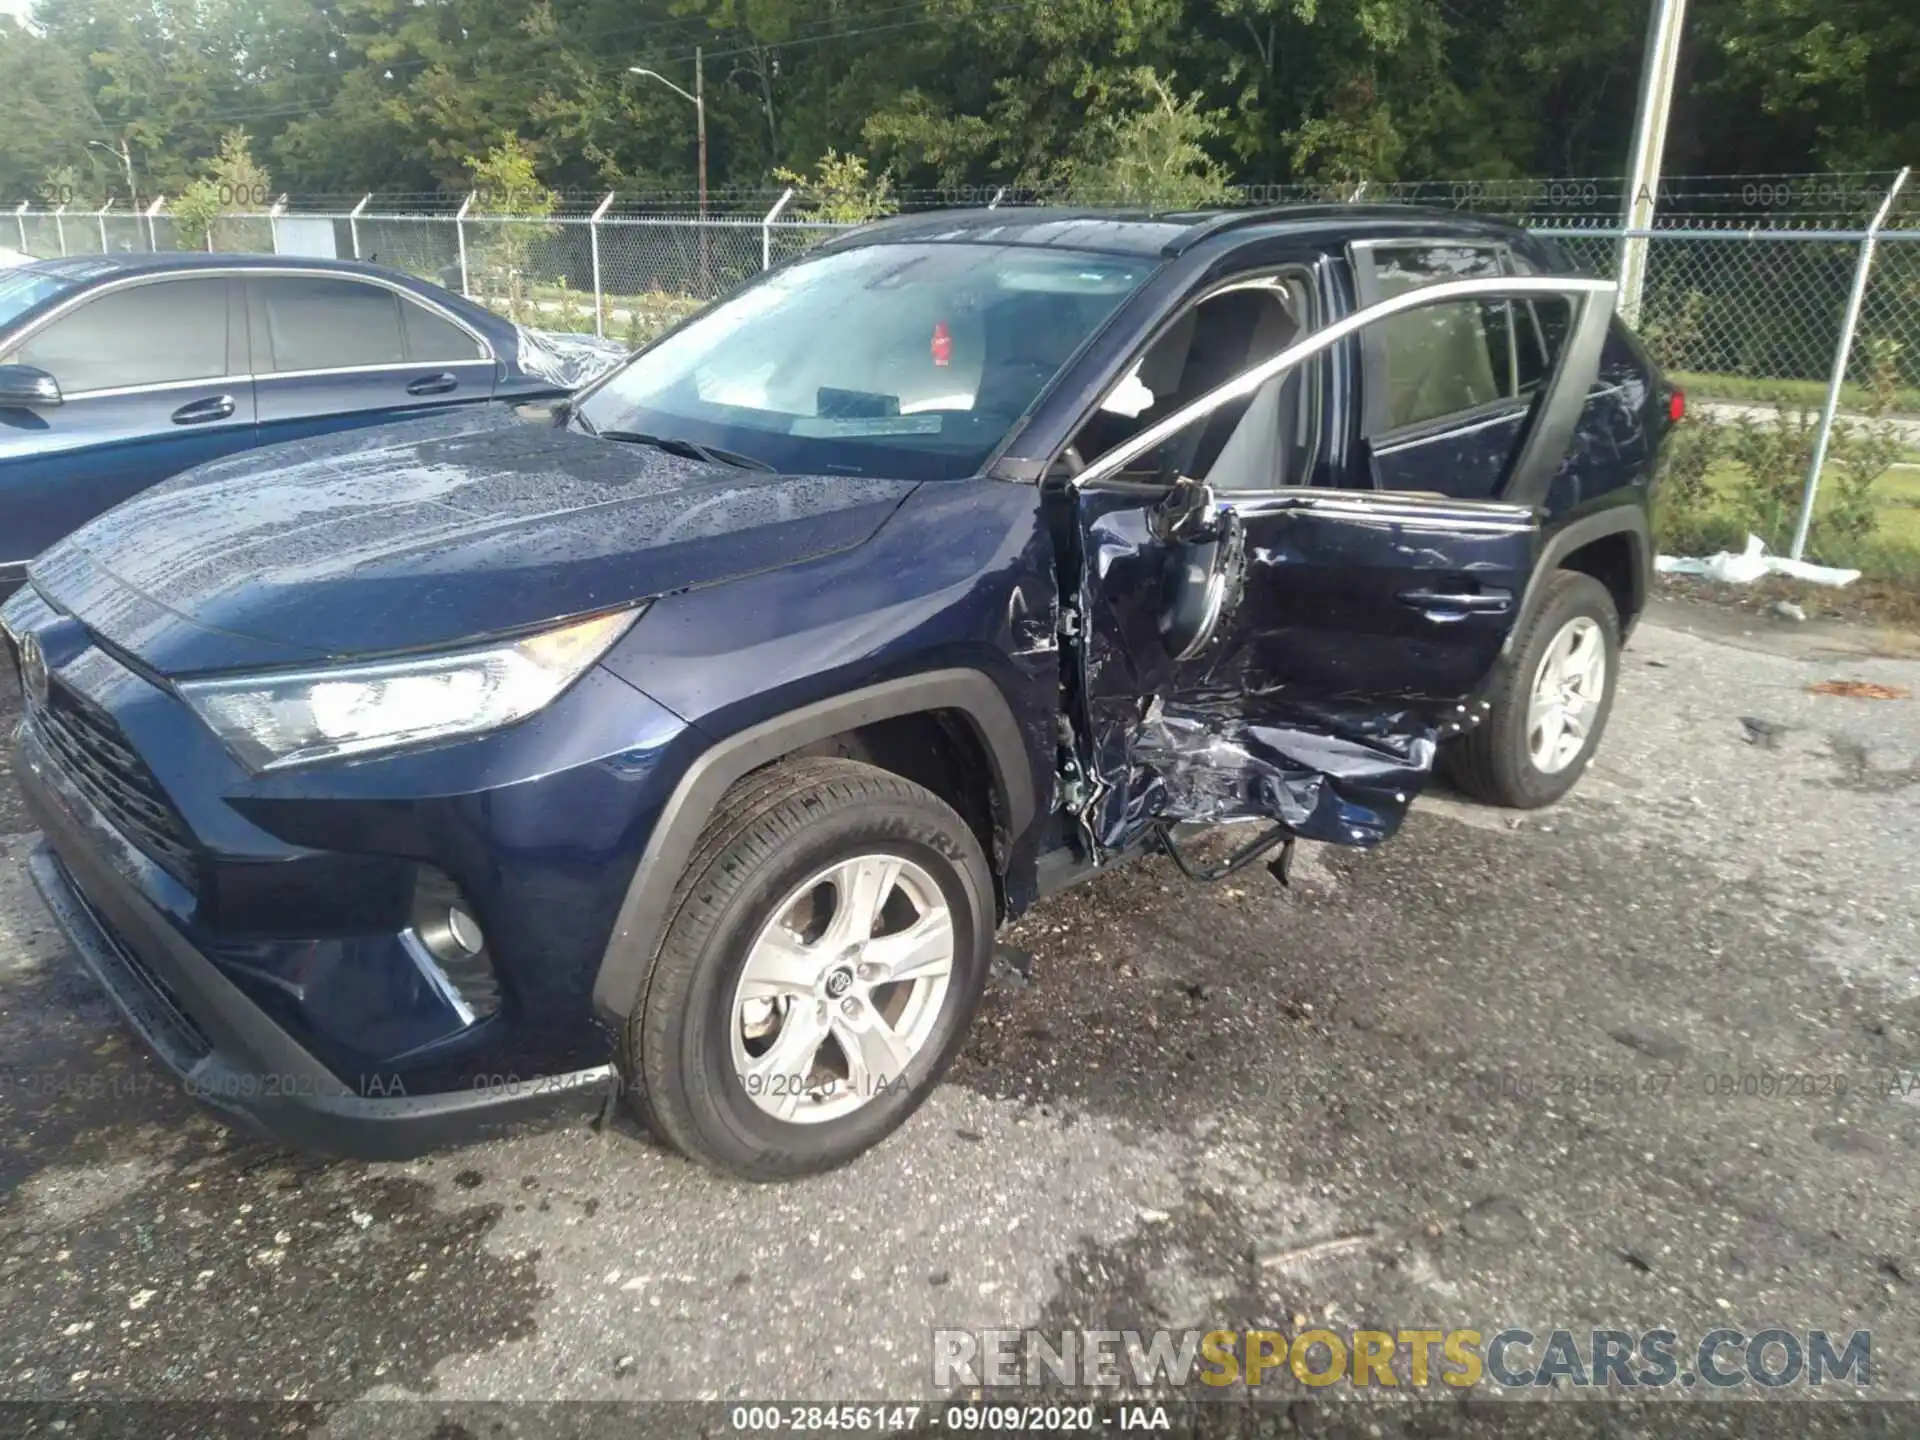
[1735, 313]
[1746, 279]
[1756, 314]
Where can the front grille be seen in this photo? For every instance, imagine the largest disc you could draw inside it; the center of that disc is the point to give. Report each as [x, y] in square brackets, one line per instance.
[95, 756]
[162, 1004]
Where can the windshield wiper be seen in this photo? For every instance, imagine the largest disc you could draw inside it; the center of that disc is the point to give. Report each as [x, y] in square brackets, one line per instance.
[688, 449]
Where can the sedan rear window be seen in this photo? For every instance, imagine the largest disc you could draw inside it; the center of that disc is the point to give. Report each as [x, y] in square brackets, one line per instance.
[899, 360]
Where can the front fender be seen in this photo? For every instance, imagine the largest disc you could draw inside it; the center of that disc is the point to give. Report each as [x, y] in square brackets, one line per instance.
[644, 912]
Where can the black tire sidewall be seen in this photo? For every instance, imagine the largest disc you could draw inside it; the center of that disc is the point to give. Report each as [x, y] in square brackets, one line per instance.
[729, 1122]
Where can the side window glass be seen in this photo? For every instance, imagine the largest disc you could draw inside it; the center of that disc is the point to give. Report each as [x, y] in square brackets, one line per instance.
[1444, 358]
[1441, 359]
[313, 323]
[164, 332]
[1541, 329]
[1247, 444]
[431, 338]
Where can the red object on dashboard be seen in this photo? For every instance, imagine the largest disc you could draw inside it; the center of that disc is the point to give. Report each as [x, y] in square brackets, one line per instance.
[942, 343]
[1677, 405]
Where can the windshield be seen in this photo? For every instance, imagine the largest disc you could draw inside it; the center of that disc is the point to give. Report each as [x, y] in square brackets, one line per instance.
[904, 361]
[21, 290]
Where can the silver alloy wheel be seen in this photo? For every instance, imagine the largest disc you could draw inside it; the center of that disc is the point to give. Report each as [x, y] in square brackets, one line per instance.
[1567, 690]
[841, 988]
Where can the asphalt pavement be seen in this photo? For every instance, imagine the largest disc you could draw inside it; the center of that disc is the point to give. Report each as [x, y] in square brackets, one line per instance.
[1491, 1074]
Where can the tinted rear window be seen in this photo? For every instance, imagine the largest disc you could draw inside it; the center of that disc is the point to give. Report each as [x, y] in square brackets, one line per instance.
[158, 333]
[319, 324]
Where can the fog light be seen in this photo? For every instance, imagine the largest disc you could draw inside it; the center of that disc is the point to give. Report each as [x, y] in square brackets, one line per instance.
[465, 931]
[451, 948]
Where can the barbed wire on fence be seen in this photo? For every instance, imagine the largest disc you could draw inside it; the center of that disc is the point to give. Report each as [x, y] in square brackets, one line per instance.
[1834, 199]
[1733, 294]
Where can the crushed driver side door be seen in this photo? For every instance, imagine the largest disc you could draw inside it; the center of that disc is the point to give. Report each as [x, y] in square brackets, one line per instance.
[1249, 648]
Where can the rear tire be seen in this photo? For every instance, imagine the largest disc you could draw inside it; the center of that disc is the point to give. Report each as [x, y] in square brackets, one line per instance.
[1513, 758]
[765, 1044]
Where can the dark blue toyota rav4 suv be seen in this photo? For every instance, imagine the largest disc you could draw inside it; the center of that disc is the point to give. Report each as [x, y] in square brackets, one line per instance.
[695, 735]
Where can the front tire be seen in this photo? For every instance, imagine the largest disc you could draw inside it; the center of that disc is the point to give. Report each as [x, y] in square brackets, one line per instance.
[1549, 707]
[827, 950]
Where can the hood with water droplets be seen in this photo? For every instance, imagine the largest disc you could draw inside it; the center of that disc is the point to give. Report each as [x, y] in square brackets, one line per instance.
[422, 535]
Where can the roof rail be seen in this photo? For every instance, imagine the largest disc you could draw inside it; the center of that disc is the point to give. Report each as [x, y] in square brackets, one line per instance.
[1226, 220]
[1236, 219]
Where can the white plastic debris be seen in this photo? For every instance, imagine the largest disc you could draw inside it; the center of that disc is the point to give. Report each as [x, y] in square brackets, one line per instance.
[1750, 565]
[565, 358]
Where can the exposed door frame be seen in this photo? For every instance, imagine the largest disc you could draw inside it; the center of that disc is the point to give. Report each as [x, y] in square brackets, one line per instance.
[1556, 409]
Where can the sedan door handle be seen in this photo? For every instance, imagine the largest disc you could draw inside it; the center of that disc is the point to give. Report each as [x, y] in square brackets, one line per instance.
[434, 384]
[1462, 602]
[199, 412]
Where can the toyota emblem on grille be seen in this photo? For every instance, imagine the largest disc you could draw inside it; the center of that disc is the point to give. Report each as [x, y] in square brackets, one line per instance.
[33, 670]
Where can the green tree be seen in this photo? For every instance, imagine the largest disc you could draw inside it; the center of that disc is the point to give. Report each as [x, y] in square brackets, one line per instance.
[234, 184]
[507, 184]
[1153, 155]
[840, 189]
[50, 116]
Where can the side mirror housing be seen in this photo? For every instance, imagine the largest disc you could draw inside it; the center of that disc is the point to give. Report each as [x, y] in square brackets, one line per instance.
[24, 387]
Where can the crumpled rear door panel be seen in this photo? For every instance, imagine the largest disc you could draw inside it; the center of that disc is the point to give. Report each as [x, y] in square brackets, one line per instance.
[1355, 629]
[1323, 693]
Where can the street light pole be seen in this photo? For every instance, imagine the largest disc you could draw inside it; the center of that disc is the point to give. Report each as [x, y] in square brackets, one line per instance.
[698, 99]
[125, 155]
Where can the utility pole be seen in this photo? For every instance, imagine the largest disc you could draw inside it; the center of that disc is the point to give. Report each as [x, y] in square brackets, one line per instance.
[1649, 143]
[700, 119]
[699, 99]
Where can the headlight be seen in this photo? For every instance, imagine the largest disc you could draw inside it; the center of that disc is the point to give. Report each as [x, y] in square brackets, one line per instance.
[291, 718]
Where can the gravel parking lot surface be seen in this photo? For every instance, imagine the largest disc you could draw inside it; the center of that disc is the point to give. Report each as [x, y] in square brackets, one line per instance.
[1466, 1080]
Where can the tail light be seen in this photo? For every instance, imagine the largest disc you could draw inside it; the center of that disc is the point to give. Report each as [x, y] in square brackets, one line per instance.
[1676, 405]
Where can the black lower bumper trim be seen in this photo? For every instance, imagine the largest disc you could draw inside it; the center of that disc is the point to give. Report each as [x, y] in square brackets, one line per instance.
[226, 1051]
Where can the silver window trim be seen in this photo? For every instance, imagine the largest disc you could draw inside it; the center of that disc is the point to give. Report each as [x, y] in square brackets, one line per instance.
[382, 368]
[212, 382]
[1248, 381]
[1516, 409]
[1412, 512]
[128, 282]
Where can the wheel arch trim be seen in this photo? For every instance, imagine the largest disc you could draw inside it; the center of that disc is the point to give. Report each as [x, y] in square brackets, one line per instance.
[1629, 521]
[644, 911]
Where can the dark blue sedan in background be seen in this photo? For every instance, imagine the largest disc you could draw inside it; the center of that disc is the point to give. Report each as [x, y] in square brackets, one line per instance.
[117, 371]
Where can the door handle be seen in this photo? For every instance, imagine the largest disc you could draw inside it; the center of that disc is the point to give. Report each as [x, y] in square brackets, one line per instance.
[199, 412]
[1459, 602]
[434, 384]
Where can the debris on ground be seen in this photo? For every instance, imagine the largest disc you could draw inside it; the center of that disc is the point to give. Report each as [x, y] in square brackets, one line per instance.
[1786, 610]
[1750, 565]
[1860, 690]
[1764, 733]
[1011, 968]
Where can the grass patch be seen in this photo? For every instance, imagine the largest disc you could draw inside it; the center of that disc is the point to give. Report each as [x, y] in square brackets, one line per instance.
[1725, 478]
[1854, 395]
